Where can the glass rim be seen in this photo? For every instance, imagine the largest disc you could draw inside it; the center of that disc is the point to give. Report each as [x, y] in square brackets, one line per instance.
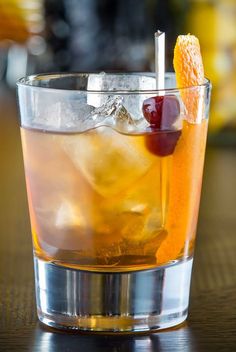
[27, 82]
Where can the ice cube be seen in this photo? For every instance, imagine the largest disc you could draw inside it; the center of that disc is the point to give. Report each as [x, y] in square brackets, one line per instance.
[64, 116]
[78, 116]
[96, 83]
[124, 121]
[140, 227]
[113, 113]
[109, 108]
[47, 116]
[110, 161]
[62, 225]
[141, 209]
[133, 102]
[112, 82]
[131, 224]
[67, 215]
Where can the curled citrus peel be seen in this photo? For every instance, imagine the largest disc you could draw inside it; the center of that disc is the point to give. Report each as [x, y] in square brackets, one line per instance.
[188, 158]
[189, 72]
[188, 61]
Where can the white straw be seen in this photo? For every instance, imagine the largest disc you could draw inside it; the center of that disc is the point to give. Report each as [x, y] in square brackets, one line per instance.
[160, 59]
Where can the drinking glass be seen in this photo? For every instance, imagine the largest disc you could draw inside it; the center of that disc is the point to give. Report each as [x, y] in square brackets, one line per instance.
[113, 171]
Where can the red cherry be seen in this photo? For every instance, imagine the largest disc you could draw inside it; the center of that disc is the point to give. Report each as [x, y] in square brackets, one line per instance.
[161, 111]
[152, 110]
[162, 143]
[170, 111]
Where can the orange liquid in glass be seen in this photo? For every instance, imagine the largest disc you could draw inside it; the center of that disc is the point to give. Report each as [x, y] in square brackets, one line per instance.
[101, 201]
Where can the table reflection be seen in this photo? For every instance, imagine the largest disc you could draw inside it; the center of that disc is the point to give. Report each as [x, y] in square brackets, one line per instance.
[179, 340]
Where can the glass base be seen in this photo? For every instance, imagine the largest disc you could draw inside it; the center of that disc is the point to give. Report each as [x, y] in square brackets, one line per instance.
[124, 302]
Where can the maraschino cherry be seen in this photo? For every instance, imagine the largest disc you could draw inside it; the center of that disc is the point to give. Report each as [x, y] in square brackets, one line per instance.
[162, 112]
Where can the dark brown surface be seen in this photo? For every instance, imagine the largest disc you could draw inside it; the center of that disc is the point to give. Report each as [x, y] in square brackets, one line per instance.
[212, 320]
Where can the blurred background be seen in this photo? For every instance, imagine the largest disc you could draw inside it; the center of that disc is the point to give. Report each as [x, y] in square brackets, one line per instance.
[89, 35]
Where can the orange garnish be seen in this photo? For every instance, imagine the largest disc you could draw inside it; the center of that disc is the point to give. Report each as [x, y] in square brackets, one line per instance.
[189, 72]
[188, 61]
[184, 191]
[188, 158]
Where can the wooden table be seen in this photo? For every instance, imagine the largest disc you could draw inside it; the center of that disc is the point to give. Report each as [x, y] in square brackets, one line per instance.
[212, 320]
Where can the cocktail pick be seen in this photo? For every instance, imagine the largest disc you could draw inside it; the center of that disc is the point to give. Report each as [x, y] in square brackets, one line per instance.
[160, 59]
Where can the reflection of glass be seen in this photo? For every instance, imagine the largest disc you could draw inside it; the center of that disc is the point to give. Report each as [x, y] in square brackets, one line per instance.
[178, 340]
[50, 341]
[113, 201]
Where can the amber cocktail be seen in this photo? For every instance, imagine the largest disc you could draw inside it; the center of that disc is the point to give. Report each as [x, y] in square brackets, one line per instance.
[113, 172]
